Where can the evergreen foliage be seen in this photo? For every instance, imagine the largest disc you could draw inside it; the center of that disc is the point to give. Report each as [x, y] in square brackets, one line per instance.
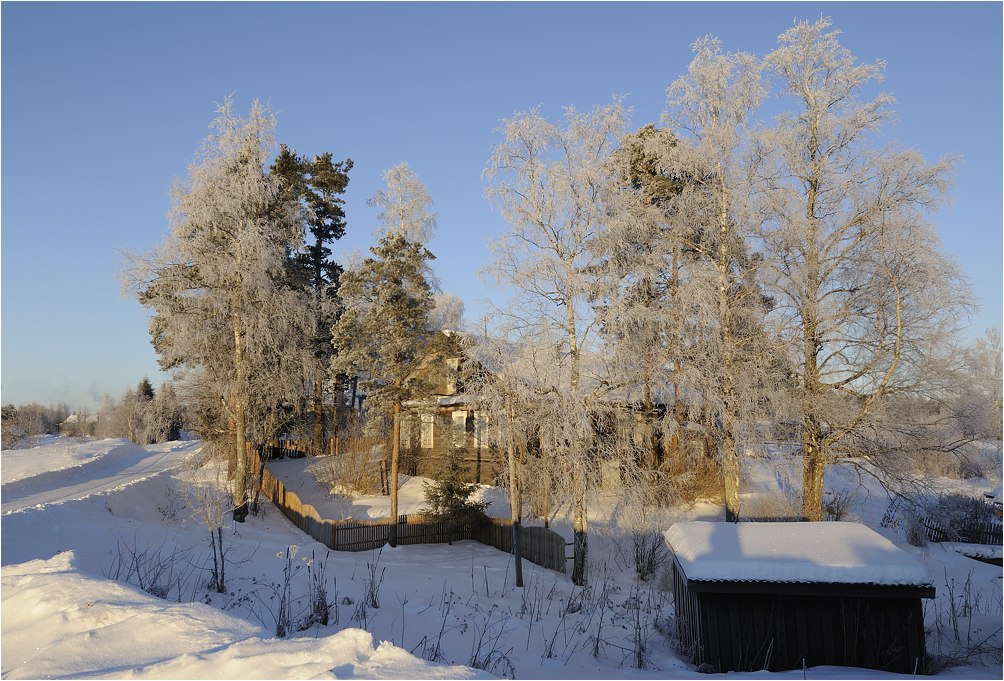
[383, 333]
[316, 186]
[145, 391]
[449, 497]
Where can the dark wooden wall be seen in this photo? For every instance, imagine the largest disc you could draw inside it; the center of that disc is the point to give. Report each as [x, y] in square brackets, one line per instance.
[780, 626]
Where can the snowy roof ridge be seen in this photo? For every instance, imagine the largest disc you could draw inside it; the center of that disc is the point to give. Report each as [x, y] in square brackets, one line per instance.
[792, 552]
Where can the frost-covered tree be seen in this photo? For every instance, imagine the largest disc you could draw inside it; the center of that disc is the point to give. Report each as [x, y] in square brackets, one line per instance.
[317, 185]
[405, 206]
[548, 182]
[985, 372]
[383, 334]
[864, 292]
[710, 109]
[165, 415]
[448, 313]
[225, 318]
[642, 285]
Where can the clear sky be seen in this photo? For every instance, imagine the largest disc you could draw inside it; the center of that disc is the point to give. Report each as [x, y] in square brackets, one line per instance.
[103, 104]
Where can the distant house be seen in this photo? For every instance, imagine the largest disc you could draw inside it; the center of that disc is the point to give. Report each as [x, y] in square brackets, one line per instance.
[448, 418]
[77, 425]
[777, 596]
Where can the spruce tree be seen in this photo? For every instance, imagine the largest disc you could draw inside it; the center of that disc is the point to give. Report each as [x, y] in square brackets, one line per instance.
[449, 496]
[145, 391]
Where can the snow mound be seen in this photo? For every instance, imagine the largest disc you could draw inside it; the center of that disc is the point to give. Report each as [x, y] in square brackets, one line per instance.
[60, 623]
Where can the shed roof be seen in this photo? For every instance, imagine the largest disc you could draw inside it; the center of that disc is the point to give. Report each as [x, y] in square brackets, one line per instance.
[793, 552]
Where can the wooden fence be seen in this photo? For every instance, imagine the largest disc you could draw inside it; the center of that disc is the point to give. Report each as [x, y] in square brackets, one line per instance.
[986, 532]
[538, 545]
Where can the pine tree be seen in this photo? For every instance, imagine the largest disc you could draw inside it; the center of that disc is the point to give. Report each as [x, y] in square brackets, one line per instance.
[384, 334]
[317, 185]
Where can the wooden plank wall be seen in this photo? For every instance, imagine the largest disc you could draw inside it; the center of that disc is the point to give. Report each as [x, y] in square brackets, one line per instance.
[541, 546]
[723, 631]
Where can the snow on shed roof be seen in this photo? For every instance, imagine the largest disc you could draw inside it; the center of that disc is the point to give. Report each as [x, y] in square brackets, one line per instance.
[822, 552]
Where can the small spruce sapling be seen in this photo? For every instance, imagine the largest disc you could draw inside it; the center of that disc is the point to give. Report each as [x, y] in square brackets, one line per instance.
[450, 498]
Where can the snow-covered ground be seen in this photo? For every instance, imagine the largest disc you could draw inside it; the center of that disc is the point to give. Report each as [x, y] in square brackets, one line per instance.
[77, 513]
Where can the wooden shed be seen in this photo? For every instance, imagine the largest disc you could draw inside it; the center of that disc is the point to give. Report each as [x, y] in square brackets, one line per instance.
[777, 596]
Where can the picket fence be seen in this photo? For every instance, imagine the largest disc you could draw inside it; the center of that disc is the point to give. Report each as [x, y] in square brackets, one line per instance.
[538, 545]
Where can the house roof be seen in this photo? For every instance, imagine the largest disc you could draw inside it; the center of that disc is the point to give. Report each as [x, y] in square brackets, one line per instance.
[792, 552]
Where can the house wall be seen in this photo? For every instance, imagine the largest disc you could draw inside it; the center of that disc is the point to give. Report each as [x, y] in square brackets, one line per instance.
[430, 433]
[728, 631]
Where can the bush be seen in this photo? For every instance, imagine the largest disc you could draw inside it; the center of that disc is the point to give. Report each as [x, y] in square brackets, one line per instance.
[650, 553]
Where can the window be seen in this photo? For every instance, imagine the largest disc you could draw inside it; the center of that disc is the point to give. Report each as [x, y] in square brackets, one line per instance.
[480, 429]
[427, 431]
[459, 428]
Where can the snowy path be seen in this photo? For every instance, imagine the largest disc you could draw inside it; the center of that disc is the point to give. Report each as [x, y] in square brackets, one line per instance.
[121, 466]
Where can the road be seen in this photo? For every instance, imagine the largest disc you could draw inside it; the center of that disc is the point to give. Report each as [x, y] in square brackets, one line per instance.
[105, 474]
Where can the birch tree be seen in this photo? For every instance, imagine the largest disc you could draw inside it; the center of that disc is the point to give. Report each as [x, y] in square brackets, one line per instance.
[224, 317]
[711, 110]
[383, 333]
[986, 365]
[864, 292]
[548, 183]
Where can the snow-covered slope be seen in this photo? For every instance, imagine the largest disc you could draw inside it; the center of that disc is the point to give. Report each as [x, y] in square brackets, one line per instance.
[111, 508]
[92, 532]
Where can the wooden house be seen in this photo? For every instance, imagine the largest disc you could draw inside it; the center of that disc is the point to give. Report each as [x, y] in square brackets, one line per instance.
[779, 596]
[445, 420]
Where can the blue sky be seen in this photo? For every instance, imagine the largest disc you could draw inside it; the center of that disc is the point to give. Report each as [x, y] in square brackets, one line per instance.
[103, 104]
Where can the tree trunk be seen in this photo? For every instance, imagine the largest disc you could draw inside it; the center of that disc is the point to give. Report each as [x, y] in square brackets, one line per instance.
[395, 461]
[813, 449]
[317, 443]
[730, 471]
[581, 541]
[517, 551]
[654, 445]
[814, 466]
[515, 506]
[240, 426]
[677, 355]
[730, 457]
[813, 453]
[579, 556]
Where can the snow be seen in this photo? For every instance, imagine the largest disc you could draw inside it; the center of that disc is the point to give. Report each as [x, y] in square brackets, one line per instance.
[60, 623]
[58, 454]
[86, 506]
[993, 551]
[72, 472]
[830, 553]
[298, 475]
